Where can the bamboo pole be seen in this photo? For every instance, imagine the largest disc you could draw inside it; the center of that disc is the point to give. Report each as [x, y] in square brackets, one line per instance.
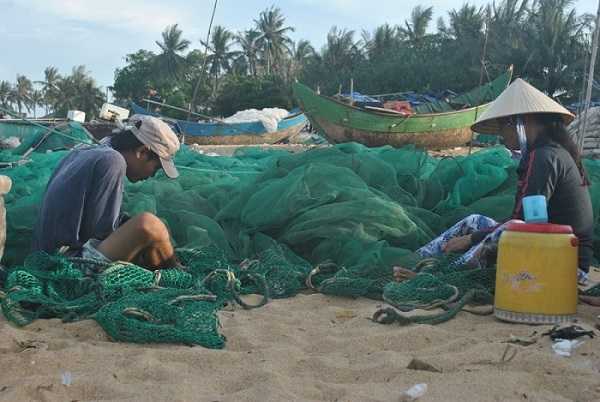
[583, 81]
[163, 104]
[588, 95]
[201, 76]
[483, 53]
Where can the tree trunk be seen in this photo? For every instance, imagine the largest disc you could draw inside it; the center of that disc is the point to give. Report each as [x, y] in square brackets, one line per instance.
[215, 84]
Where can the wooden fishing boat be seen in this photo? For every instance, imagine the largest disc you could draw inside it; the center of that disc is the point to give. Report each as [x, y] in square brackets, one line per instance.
[341, 122]
[43, 134]
[233, 134]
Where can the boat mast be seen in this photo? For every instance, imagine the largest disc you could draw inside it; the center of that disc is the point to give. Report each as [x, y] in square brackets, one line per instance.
[590, 83]
[192, 105]
[481, 70]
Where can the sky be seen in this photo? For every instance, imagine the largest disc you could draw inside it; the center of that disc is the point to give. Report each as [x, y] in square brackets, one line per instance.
[35, 34]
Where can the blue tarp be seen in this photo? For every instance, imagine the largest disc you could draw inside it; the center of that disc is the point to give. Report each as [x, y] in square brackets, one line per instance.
[363, 100]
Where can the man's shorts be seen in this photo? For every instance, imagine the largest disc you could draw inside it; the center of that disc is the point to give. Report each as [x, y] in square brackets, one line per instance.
[89, 251]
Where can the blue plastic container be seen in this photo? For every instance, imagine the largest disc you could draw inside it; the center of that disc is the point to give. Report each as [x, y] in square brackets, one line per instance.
[535, 209]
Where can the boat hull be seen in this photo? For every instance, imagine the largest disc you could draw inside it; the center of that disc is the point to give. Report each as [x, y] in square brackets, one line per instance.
[340, 122]
[246, 138]
[250, 133]
[429, 140]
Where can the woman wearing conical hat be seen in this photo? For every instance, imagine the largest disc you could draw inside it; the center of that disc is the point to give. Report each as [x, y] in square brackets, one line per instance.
[531, 122]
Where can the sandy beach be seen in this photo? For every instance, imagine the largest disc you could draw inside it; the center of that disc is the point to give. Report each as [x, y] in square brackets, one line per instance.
[310, 347]
[307, 348]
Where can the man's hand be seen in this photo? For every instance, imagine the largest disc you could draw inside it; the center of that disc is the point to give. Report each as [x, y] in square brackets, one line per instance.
[401, 274]
[455, 244]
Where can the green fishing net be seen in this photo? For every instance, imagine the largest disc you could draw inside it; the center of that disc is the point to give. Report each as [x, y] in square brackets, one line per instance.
[334, 219]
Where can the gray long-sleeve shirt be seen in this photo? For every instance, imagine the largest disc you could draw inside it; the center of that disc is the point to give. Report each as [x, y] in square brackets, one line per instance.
[82, 200]
[549, 170]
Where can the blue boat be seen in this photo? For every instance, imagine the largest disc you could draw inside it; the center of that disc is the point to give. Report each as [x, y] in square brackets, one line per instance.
[235, 133]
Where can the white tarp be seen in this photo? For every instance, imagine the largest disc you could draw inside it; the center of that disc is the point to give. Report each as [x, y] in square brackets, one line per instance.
[269, 117]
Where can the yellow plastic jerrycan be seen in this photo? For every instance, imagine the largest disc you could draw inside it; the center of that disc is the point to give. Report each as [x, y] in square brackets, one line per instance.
[536, 276]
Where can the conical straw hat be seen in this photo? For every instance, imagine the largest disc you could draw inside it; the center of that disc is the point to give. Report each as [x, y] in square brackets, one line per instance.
[518, 99]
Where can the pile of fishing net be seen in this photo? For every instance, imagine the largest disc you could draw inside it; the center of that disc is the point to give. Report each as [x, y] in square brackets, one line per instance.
[334, 219]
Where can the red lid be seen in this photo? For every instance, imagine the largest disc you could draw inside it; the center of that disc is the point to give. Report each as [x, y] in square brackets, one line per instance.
[539, 228]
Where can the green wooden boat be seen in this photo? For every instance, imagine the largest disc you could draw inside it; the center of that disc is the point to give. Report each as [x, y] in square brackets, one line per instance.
[340, 122]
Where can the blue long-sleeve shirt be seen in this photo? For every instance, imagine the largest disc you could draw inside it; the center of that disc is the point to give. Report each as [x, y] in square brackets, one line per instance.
[83, 199]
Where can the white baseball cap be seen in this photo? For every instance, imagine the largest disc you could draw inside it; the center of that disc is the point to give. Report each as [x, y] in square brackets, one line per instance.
[158, 136]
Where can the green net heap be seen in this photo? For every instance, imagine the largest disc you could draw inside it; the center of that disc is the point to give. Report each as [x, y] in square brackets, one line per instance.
[334, 219]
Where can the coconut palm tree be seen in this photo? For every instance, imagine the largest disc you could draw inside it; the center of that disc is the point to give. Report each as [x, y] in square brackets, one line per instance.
[22, 93]
[6, 94]
[36, 100]
[170, 62]
[49, 87]
[415, 30]
[557, 44]
[273, 39]
[90, 99]
[249, 42]
[384, 39]
[221, 54]
[507, 34]
[79, 91]
[465, 23]
[341, 51]
[462, 40]
[302, 53]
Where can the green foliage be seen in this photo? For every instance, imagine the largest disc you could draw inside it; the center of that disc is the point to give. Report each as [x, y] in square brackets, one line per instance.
[245, 92]
[78, 91]
[56, 94]
[273, 39]
[133, 80]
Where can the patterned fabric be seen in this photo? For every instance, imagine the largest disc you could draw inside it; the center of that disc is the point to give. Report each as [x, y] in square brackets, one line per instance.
[469, 225]
[477, 253]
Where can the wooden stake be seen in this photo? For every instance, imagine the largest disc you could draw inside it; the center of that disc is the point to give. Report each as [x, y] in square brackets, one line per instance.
[588, 95]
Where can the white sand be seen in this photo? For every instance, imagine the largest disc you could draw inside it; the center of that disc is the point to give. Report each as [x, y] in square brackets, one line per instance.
[308, 348]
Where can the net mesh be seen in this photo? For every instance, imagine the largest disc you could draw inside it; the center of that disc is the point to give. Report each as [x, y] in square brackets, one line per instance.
[335, 219]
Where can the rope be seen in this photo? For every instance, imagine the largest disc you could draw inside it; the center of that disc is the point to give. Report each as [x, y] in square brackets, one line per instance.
[389, 315]
[328, 267]
[232, 281]
[261, 282]
[426, 306]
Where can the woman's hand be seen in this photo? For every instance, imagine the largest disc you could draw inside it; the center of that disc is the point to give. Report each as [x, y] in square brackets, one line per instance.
[455, 244]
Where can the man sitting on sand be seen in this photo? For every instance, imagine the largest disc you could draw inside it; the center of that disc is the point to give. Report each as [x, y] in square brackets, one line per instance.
[80, 213]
